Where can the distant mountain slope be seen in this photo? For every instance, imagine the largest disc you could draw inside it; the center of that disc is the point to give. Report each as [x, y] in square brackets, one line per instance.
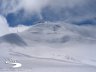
[66, 42]
[13, 39]
[59, 33]
[50, 32]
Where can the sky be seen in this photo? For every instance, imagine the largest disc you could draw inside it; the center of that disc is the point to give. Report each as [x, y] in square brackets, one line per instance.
[31, 6]
[27, 12]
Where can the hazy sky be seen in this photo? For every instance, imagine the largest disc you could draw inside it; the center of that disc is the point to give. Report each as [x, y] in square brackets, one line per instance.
[8, 6]
[29, 6]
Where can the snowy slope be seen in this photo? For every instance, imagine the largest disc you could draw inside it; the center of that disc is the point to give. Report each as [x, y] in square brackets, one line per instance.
[59, 42]
[19, 28]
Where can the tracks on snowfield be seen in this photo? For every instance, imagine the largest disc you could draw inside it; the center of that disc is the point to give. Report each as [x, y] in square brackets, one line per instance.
[67, 59]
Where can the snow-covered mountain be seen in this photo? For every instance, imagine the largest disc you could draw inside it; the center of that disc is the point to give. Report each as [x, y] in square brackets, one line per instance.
[52, 41]
[48, 35]
[19, 28]
[58, 32]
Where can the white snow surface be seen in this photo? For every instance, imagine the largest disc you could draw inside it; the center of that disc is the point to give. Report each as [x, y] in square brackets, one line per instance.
[52, 47]
[19, 28]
